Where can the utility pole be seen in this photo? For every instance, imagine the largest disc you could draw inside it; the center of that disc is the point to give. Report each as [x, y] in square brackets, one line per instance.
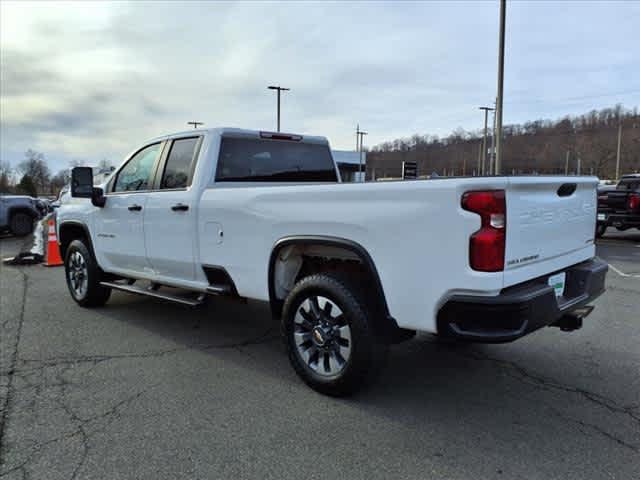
[618, 152]
[361, 134]
[484, 139]
[279, 89]
[503, 12]
[566, 164]
[492, 157]
[195, 124]
[579, 165]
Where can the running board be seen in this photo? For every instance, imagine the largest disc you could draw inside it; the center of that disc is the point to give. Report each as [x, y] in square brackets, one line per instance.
[219, 289]
[151, 292]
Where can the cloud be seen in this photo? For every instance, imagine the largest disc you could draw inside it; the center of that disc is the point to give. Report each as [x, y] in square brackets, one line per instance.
[97, 81]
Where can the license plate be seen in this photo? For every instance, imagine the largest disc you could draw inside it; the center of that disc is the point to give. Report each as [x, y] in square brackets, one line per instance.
[557, 282]
[602, 216]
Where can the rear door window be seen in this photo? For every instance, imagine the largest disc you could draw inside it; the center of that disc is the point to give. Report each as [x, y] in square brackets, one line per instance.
[177, 170]
[263, 160]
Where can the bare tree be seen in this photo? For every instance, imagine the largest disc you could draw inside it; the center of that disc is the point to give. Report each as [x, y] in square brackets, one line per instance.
[35, 167]
[105, 164]
[60, 179]
[5, 177]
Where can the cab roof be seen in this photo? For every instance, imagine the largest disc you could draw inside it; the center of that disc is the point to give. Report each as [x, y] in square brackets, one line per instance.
[240, 132]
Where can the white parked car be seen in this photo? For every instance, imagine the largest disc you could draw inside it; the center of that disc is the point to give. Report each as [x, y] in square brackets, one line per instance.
[349, 268]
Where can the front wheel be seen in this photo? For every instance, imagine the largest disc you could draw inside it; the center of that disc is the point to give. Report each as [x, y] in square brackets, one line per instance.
[600, 229]
[83, 276]
[327, 329]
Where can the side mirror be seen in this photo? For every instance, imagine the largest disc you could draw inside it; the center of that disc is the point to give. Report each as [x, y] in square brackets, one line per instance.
[82, 182]
[82, 186]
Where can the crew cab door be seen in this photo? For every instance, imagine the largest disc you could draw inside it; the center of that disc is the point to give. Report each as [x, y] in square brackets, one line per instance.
[119, 224]
[169, 220]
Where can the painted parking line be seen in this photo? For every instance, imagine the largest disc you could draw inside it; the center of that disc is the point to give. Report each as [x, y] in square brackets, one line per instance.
[622, 274]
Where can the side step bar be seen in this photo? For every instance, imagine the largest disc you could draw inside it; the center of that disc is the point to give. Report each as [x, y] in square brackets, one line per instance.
[151, 292]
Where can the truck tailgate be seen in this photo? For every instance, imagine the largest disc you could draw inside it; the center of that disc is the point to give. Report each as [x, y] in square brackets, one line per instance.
[550, 225]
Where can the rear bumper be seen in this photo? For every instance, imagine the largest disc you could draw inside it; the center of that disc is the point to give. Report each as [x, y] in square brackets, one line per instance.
[523, 308]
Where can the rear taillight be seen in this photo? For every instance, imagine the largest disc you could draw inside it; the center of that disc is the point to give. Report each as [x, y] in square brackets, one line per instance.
[633, 203]
[486, 246]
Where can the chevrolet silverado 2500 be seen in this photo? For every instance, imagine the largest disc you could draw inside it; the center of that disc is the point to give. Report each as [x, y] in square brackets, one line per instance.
[348, 268]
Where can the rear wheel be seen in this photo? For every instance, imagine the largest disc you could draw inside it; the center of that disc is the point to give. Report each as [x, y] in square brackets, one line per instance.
[83, 276]
[327, 328]
[600, 229]
[21, 224]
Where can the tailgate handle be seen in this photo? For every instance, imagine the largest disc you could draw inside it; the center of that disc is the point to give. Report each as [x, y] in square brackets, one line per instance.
[567, 189]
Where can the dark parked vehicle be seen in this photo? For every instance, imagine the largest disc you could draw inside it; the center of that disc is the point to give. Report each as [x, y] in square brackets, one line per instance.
[619, 207]
[18, 212]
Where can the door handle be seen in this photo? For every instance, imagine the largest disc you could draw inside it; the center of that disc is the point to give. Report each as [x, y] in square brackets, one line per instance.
[135, 208]
[180, 207]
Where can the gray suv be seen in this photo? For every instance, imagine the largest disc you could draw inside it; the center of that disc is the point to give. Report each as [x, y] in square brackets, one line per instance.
[17, 214]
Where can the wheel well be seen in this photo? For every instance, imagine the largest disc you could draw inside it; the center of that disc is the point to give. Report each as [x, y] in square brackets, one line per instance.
[70, 232]
[295, 258]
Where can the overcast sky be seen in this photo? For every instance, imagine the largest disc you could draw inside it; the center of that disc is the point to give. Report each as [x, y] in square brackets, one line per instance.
[95, 80]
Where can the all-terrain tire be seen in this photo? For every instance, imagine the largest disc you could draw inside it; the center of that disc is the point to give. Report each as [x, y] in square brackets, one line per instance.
[84, 275]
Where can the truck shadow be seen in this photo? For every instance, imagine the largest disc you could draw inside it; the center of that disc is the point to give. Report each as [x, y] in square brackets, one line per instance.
[424, 376]
[435, 398]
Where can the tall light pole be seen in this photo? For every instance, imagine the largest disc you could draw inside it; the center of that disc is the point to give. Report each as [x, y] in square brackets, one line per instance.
[484, 139]
[618, 150]
[503, 12]
[361, 134]
[492, 156]
[195, 124]
[279, 89]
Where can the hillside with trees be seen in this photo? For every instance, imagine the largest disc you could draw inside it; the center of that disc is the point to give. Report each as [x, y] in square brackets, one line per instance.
[538, 147]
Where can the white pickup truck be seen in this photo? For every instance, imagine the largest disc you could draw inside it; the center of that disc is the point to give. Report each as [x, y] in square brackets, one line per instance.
[348, 268]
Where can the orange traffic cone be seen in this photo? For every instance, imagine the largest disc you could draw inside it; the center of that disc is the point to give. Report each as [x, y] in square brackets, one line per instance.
[53, 251]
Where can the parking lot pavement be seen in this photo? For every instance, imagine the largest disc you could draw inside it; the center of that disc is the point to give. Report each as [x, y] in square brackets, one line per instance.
[149, 390]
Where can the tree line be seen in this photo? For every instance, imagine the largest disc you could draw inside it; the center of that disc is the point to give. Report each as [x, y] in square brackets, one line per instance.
[32, 176]
[586, 142]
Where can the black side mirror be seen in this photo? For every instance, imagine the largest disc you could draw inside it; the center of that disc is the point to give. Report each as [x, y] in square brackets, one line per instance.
[82, 186]
[82, 182]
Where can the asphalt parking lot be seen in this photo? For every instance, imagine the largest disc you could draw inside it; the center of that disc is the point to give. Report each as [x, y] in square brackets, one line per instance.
[149, 390]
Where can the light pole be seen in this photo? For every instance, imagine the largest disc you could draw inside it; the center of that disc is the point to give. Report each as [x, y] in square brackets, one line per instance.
[492, 156]
[360, 134]
[484, 139]
[618, 149]
[279, 89]
[503, 12]
[195, 124]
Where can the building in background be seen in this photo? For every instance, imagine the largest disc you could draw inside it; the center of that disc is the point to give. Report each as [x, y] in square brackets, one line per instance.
[349, 165]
